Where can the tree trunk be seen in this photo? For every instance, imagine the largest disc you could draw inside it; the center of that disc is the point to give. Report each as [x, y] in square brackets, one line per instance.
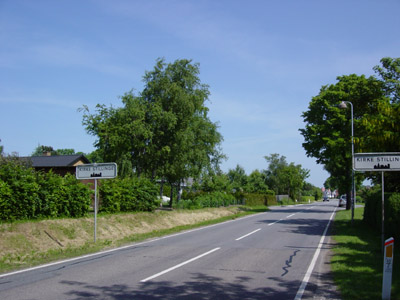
[348, 200]
[162, 188]
[179, 192]
[171, 195]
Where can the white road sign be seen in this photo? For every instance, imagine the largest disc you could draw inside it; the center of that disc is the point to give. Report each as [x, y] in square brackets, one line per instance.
[96, 171]
[385, 161]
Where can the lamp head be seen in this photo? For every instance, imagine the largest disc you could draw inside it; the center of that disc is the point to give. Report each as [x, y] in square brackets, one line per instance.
[343, 105]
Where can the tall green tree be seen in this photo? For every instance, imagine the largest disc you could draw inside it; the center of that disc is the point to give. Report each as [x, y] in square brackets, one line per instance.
[165, 131]
[284, 177]
[41, 150]
[184, 139]
[276, 163]
[212, 182]
[256, 183]
[389, 73]
[238, 178]
[121, 133]
[327, 133]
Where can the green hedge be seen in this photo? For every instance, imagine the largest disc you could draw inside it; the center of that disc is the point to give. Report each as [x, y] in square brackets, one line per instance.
[202, 200]
[253, 199]
[373, 212]
[271, 200]
[128, 194]
[26, 194]
[307, 198]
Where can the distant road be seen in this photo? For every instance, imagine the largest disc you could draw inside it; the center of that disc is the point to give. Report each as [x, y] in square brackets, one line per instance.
[263, 256]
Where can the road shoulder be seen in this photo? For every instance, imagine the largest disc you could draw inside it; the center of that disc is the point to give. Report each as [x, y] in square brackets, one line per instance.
[321, 285]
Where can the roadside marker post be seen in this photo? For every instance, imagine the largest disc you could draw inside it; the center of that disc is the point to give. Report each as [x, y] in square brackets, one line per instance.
[387, 269]
[96, 171]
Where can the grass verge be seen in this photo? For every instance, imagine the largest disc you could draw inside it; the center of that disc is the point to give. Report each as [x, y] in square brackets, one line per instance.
[357, 263]
[26, 257]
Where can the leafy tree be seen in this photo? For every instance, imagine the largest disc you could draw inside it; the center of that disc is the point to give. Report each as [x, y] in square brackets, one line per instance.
[212, 182]
[165, 132]
[327, 133]
[1, 149]
[41, 150]
[311, 190]
[122, 133]
[238, 178]
[285, 178]
[328, 128]
[390, 74]
[256, 183]
[66, 151]
[94, 157]
[184, 139]
[272, 173]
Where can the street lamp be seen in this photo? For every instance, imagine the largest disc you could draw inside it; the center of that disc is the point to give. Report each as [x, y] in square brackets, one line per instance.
[343, 105]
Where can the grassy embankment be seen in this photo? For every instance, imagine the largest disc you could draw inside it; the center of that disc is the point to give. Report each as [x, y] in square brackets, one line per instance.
[358, 261]
[29, 243]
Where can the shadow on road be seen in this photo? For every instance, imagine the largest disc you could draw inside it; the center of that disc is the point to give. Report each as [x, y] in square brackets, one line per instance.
[300, 226]
[199, 286]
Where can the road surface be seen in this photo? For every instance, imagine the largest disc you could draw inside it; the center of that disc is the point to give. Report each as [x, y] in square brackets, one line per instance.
[265, 256]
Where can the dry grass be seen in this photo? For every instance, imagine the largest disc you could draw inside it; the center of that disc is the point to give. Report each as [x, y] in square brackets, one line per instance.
[26, 243]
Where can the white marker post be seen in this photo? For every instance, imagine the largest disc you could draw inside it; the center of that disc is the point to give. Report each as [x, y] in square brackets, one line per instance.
[387, 269]
[96, 171]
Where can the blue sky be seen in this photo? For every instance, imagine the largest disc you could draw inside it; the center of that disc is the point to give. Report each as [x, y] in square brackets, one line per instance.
[263, 60]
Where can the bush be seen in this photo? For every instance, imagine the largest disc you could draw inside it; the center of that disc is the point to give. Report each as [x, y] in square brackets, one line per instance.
[307, 198]
[26, 194]
[203, 200]
[271, 200]
[392, 216]
[253, 199]
[128, 194]
[373, 212]
[286, 201]
[76, 200]
[6, 195]
[53, 191]
[24, 200]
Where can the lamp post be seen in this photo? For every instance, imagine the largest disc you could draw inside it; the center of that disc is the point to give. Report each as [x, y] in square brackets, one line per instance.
[343, 105]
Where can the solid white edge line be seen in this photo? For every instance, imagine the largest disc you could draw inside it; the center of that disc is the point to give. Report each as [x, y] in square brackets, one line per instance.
[246, 235]
[179, 265]
[307, 276]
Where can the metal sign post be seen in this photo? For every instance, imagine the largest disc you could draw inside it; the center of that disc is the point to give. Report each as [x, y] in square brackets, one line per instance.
[383, 211]
[96, 171]
[387, 269]
[95, 208]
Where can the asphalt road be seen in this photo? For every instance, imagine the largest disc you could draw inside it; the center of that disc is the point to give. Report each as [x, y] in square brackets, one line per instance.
[264, 256]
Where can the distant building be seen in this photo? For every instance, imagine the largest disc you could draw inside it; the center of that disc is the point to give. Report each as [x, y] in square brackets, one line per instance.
[59, 164]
